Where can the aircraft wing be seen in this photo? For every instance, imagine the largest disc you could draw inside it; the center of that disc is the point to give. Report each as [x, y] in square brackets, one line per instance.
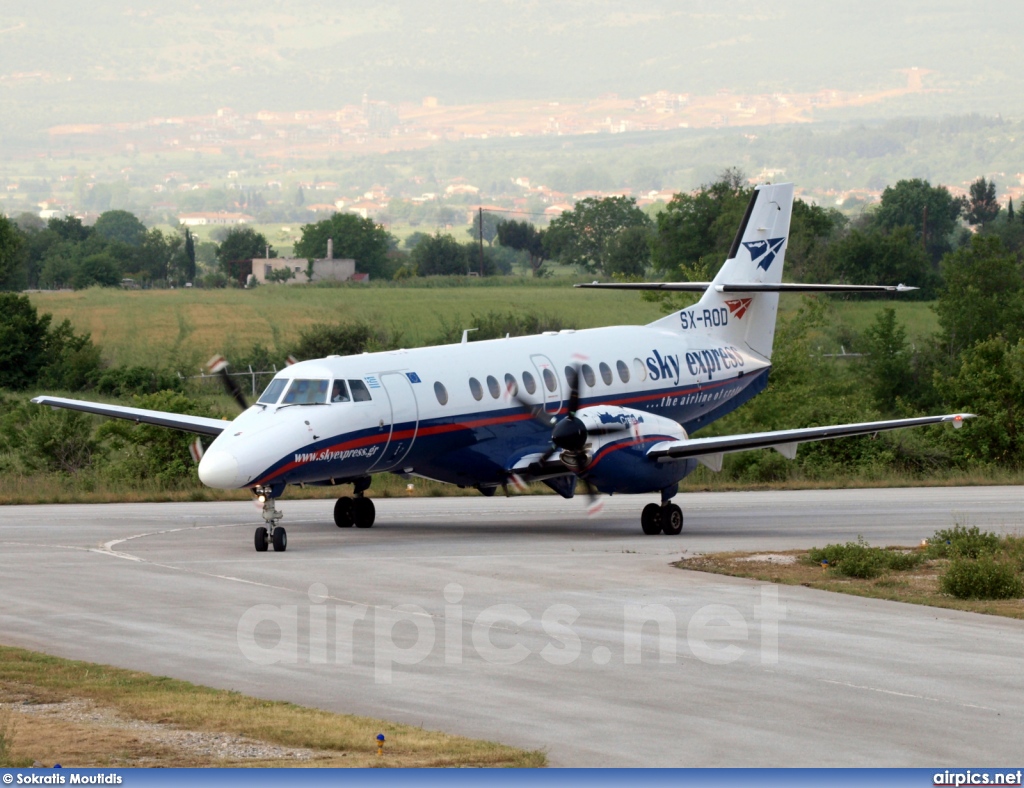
[748, 287]
[710, 450]
[199, 424]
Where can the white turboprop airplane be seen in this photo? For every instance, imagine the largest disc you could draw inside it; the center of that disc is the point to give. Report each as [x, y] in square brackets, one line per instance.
[611, 406]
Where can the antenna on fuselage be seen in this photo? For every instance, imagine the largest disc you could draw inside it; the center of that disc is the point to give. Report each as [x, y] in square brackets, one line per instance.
[465, 334]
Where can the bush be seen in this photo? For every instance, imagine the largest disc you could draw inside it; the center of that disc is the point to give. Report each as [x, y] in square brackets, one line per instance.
[150, 452]
[859, 559]
[126, 381]
[57, 440]
[343, 339]
[981, 578]
[961, 542]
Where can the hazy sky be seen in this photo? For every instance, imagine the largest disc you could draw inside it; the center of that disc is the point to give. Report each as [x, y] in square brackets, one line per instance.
[67, 61]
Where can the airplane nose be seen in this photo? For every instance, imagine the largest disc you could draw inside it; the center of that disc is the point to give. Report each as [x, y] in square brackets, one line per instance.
[218, 469]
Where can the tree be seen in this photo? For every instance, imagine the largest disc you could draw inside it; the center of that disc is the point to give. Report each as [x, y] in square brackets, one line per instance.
[629, 252]
[700, 225]
[120, 226]
[22, 341]
[581, 237]
[97, 269]
[872, 257]
[190, 255]
[69, 229]
[243, 243]
[981, 295]
[931, 211]
[1009, 210]
[10, 254]
[491, 222]
[989, 381]
[982, 206]
[888, 359]
[361, 239]
[526, 238]
[440, 255]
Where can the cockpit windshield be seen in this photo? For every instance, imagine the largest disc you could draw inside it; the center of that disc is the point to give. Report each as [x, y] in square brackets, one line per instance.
[273, 391]
[306, 392]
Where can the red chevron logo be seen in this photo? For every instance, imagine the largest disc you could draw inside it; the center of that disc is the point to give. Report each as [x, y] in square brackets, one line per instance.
[739, 307]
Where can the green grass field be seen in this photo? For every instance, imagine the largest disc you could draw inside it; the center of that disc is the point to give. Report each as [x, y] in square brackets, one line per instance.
[140, 327]
[185, 327]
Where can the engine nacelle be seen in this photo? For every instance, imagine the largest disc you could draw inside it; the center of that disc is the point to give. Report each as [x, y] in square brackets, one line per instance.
[618, 461]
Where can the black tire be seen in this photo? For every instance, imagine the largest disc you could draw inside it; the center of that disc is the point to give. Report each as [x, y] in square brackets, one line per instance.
[363, 512]
[261, 540]
[672, 520]
[343, 513]
[650, 519]
[280, 540]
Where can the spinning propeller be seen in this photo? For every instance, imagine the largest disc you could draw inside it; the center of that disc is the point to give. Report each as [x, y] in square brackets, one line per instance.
[219, 365]
[569, 435]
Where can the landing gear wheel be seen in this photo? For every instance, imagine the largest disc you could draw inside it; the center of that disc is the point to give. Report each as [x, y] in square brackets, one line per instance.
[261, 540]
[672, 520]
[363, 512]
[280, 540]
[343, 510]
[650, 519]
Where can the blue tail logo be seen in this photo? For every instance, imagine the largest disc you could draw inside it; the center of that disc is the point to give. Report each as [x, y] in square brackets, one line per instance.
[763, 252]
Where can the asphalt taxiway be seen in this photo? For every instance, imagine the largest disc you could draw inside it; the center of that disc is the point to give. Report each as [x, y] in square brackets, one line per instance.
[523, 621]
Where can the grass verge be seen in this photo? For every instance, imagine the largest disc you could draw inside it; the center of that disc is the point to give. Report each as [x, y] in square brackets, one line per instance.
[899, 574]
[124, 718]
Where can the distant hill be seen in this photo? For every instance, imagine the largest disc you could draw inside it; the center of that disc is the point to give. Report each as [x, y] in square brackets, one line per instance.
[64, 61]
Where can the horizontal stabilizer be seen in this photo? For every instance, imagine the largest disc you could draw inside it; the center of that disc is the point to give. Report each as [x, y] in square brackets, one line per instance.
[749, 287]
[199, 424]
[786, 441]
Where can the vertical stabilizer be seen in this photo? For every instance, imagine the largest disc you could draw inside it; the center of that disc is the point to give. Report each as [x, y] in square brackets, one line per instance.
[757, 255]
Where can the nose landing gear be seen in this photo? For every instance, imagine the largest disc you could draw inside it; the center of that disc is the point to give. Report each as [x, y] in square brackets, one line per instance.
[272, 534]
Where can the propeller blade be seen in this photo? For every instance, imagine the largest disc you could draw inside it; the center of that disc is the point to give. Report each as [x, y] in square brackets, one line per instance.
[218, 365]
[594, 501]
[608, 429]
[196, 450]
[536, 411]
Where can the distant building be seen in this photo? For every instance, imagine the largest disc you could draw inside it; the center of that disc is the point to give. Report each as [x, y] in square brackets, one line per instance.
[325, 270]
[220, 218]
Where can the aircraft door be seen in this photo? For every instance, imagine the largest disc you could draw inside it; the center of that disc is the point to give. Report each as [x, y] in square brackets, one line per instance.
[549, 387]
[404, 420]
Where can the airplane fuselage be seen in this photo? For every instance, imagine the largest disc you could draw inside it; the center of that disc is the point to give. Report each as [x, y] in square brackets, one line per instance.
[449, 413]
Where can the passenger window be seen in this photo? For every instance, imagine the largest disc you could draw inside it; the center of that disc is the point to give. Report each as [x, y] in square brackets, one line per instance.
[572, 378]
[273, 391]
[641, 370]
[306, 392]
[549, 379]
[510, 385]
[588, 375]
[359, 391]
[441, 393]
[476, 389]
[493, 387]
[529, 383]
[340, 392]
[623, 371]
[606, 373]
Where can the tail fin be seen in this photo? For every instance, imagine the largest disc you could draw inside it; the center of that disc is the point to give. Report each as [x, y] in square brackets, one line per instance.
[757, 255]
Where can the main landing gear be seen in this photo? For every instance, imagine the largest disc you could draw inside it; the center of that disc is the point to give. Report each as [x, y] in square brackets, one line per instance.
[272, 534]
[666, 519]
[358, 511]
